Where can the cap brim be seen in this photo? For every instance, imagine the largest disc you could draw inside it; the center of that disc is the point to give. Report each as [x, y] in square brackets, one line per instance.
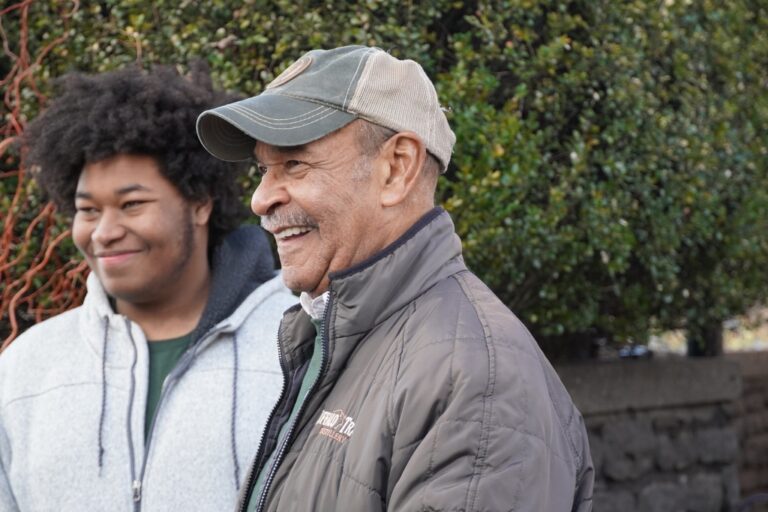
[230, 132]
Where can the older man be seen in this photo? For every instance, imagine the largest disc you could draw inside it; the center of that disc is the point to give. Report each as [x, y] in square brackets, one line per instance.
[408, 384]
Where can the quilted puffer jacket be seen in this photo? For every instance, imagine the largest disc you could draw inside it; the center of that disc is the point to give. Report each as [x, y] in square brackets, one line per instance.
[432, 395]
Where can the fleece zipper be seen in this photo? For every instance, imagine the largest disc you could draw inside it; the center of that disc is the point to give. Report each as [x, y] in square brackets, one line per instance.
[135, 483]
[181, 367]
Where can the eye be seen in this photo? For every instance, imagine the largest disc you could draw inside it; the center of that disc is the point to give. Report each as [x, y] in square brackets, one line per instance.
[86, 210]
[295, 167]
[261, 170]
[131, 204]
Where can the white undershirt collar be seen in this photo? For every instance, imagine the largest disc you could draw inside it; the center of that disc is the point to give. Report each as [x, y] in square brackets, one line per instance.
[315, 308]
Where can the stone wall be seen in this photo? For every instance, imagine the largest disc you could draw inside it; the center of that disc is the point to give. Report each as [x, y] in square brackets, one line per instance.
[664, 433]
[753, 427]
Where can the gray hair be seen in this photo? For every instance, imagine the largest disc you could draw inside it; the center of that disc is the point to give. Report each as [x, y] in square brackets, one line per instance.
[371, 136]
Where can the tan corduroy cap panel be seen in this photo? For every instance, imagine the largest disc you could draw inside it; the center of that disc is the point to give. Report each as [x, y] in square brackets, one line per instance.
[325, 90]
[399, 95]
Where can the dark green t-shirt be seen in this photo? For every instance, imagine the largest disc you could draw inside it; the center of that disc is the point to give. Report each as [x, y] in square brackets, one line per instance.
[163, 356]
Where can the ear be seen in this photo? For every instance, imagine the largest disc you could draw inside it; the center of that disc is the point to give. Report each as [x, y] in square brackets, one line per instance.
[404, 154]
[201, 212]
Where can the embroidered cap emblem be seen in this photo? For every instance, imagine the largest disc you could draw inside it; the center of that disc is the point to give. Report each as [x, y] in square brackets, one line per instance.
[336, 425]
[292, 72]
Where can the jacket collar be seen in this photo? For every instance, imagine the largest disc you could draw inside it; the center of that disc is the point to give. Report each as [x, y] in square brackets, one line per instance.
[368, 293]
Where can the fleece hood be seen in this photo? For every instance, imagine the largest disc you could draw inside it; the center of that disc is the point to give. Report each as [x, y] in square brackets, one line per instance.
[241, 263]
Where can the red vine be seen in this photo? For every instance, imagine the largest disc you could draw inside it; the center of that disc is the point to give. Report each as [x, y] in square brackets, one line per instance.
[36, 281]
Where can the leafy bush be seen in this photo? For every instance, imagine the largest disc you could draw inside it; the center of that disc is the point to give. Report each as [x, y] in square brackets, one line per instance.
[610, 173]
[612, 177]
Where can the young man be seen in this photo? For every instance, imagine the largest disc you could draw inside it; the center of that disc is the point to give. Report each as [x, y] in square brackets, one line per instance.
[409, 385]
[152, 395]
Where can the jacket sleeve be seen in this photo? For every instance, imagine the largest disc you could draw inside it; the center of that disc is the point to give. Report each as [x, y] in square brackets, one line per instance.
[7, 501]
[474, 429]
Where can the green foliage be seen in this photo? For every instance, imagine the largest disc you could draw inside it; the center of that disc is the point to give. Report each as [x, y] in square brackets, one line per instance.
[610, 177]
[610, 172]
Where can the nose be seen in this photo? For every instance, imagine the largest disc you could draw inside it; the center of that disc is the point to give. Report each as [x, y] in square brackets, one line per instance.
[268, 195]
[108, 229]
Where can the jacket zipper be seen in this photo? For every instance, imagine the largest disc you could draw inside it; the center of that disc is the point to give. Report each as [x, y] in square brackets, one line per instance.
[135, 484]
[136, 491]
[177, 371]
[286, 440]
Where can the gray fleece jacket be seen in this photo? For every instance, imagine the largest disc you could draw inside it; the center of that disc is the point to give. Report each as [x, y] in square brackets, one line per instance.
[73, 397]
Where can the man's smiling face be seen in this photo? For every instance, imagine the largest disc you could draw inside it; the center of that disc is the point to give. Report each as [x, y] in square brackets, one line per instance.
[321, 203]
[134, 228]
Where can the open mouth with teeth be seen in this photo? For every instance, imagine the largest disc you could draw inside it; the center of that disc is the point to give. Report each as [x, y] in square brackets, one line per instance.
[292, 233]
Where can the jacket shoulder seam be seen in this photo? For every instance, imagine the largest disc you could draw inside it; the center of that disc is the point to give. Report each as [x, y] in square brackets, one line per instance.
[487, 408]
[396, 379]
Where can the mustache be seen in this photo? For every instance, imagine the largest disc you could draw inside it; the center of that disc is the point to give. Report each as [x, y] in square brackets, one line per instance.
[278, 220]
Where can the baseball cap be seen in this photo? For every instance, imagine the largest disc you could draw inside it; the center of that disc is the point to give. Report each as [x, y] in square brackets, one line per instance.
[323, 91]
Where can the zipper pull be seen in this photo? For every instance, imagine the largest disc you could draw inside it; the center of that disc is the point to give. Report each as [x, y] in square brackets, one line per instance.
[137, 491]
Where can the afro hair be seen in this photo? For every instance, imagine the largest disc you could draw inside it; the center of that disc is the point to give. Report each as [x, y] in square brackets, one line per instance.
[132, 111]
